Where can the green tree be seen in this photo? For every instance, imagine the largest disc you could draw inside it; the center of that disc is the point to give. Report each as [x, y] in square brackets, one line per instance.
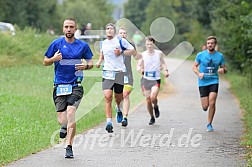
[135, 11]
[175, 10]
[38, 14]
[98, 12]
[231, 22]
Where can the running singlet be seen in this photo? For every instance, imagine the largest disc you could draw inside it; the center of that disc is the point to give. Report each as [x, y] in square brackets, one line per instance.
[209, 64]
[72, 53]
[151, 65]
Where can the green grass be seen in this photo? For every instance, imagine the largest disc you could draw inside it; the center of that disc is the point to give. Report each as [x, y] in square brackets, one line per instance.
[241, 87]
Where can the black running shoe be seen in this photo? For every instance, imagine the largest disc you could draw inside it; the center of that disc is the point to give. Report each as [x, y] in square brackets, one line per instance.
[109, 128]
[124, 122]
[157, 113]
[63, 132]
[69, 152]
[152, 121]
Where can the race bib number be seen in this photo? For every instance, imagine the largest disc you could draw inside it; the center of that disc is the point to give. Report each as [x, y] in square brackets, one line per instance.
[64, 90]
[126, 79]
[210, 71]
[109, 75]
[150, 73]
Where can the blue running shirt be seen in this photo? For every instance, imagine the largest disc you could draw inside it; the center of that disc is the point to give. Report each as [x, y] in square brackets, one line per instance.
[72, 53]
[209, 64]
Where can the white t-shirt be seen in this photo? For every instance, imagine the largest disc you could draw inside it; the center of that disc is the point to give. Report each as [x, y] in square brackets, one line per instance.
[113, 62]
[151, 65]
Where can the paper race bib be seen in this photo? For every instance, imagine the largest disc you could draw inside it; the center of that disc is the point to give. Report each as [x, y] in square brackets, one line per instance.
[65, 89]
[109, 75]
[210, 71]
[150, 73]
[126, 79]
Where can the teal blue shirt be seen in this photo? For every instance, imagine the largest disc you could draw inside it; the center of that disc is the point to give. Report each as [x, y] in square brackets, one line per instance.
[209, 65]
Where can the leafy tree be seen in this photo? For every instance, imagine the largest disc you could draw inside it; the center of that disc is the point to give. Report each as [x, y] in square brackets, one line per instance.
[135, 11]
[231, 21]
[98, 12]
[175, 10]
[38, 14]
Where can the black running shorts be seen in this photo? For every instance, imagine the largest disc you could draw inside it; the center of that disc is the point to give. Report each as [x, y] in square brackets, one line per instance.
[205, 90]
[74, 99]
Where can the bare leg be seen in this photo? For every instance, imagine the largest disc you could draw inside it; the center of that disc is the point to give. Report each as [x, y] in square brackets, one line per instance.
[108, 102]
[153, 95]
[126, 102]
[71, 125]
[118, 99]
[149, 106]
[205, 103]
[212, 102]
[62, 118]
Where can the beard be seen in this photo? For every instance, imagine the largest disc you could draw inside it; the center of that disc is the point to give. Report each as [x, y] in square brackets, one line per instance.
[211, 49]
[69, 35]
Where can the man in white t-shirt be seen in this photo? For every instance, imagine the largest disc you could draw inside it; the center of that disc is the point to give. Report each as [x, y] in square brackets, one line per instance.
[113, 50]
[150, 66]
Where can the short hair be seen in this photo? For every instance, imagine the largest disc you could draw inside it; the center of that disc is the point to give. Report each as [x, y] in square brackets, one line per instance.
[212, 37]
[71, 19]
[110, 24]
[122, 28]
[150, 38]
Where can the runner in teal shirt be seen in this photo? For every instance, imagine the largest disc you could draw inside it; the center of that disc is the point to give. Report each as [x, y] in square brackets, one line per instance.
[208, 64]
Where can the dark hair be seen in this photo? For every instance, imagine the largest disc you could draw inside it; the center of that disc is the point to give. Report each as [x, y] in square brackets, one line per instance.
[71, 19]
[150, 38]
[212, 37]
[110, 24]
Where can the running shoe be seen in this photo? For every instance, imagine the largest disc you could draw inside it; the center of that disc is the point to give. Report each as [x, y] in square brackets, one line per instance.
[63, 132]
[69, 152]
[210, 128]
[124, 122]
[152, 121]
[109, 127]
[119, 115]
[157, 113]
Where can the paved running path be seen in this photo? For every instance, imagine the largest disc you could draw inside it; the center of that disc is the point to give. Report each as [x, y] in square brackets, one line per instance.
[178, 138]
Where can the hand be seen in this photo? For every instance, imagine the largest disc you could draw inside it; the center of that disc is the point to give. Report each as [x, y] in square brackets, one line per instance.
[221, 71]
[166, 74]
[98, 65]
[201, 75]
[117, 52]
[80, 67]
[57, 56]
[138, 56]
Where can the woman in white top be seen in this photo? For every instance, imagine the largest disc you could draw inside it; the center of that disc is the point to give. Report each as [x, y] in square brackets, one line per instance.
[150, 66]
[112, 79]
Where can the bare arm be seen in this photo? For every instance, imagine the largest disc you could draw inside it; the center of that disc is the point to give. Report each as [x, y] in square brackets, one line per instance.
[49, 61]
[140, 66]
[222, 69]
[163, 65]
[101, 58]
[85, 65]
[132, 52]
[127, 52]
[196, 70]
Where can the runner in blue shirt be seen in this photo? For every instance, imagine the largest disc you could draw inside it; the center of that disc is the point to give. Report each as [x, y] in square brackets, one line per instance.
[68, 55]
[206, 66]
